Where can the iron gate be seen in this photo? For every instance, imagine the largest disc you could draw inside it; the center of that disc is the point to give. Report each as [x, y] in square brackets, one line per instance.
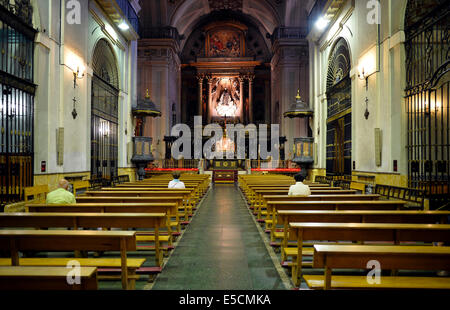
[104, 148]
[339, 107]
[427, 96]
[16, 100]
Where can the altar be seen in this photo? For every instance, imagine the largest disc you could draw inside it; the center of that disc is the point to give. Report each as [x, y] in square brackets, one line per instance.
[225, 170]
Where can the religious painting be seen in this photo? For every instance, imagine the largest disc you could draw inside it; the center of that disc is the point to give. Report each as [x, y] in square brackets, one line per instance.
[225, 97]
[224, 43]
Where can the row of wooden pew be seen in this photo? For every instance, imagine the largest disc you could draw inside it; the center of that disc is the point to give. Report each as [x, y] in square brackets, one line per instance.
[149, 215]
[345, 230]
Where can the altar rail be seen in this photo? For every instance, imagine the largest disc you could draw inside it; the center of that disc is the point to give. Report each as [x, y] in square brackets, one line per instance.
[174, 164]
[274, 164]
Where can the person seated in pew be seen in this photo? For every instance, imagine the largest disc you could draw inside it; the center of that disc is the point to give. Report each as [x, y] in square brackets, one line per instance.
[61, 194]
[299, 189]
[176, 183]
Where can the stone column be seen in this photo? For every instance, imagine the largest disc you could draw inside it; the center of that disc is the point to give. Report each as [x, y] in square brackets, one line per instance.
[159, 67]
[208, 112]
[250, 77]
[241, 94]
[290, 72]
[200, 78]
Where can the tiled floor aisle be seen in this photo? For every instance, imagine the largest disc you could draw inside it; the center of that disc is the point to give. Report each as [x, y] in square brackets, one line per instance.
[221, 249]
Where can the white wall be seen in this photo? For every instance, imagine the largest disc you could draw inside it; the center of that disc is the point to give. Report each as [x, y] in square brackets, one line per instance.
[385, 87]
[54, 55]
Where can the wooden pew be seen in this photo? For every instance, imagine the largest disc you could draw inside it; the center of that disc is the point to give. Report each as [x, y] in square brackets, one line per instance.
[14, 241]
[45, 278]
[255, 199]
[274, 206]
[261, 203]
[178, 200]
[185, 208]
[362, 232]
[284, 217]
[193, 198]
[38, 192]
[266, 198]
[170, 209]
[389, 257]
[90, 220]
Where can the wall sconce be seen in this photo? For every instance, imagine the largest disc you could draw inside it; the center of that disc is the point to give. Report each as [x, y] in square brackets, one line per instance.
[79, 74]
[362, 75]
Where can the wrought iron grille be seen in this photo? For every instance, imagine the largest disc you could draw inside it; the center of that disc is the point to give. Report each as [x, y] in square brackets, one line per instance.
[16, 103]
[427, 96]
[104, 140]
[339, 120]
[104, 113]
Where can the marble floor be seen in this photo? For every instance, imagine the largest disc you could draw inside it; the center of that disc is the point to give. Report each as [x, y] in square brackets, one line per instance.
[221, 249]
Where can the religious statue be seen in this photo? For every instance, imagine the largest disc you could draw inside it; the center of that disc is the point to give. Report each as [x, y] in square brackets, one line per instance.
[226, 106]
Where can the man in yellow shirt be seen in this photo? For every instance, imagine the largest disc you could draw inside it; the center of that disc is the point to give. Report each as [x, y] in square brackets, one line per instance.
[61, 194]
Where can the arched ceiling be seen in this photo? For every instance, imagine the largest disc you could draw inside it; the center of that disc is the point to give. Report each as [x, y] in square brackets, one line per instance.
[256, 45]
[186, 14]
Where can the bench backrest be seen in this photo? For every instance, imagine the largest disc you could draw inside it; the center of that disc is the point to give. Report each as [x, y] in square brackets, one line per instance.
[358, 216]
[76, 220]
[38, 192]
[273, 206]
[67, 240]
[407, 194]
[389, 257]
[124, 199]
[370, 232]
[168, 208]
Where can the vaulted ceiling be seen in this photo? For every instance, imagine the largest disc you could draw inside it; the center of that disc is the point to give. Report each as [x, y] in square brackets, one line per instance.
[186, 14]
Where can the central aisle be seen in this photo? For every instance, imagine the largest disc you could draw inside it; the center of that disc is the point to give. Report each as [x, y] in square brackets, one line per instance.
[221, 249]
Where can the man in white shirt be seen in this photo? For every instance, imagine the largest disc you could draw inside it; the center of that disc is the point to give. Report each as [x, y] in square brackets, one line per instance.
[299, 189]
[176, 183]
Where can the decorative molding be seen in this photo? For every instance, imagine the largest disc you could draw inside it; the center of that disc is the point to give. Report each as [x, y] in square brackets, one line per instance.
[233, 5]
[343, 21]
[398, 38]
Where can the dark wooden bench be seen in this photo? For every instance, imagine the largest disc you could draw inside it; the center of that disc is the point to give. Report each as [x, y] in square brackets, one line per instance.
[284, 217]
[314, 197]
[274, 206]
[178, 200]
[184, 209]
[412, 195]
[362, 232]
[15, 241]
[45, 278]
[90, 220]
[390, 258]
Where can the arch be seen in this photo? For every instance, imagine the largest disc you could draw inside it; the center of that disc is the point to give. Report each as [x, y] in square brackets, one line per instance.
[187, 14]
[427, 84]
[417, 10]
[339, 63]
[104, 63]
[339, 103]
